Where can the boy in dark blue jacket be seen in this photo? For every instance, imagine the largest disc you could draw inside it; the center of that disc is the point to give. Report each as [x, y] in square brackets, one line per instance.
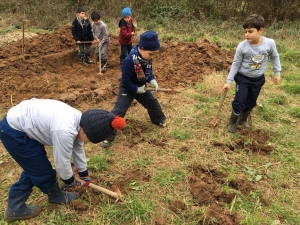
[136, 72]
[82, 32]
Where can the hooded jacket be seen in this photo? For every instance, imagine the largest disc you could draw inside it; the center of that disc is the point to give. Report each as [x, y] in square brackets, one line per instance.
[125, 31]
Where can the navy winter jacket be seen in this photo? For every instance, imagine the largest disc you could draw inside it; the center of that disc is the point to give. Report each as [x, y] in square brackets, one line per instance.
[82, 31]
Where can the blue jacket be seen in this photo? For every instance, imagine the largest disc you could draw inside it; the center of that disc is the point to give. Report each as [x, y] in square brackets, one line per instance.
[82, 30]
[129, 77]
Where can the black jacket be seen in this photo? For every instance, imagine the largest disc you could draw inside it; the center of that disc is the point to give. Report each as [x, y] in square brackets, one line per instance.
[82, 31]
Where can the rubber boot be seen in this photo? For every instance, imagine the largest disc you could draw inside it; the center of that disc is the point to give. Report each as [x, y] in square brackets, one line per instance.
[18, 210]
[58, 196]
[81, 57]
[243, 120]
[232, 122]
[88, 59]
[103, 67]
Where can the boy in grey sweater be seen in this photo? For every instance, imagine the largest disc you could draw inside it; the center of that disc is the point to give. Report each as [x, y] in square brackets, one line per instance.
[31, 125]
[249, 65]
[101, 36]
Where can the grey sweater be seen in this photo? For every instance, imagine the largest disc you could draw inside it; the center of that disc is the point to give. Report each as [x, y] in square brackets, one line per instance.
[252, 61]
[52, 123]
[100, 32]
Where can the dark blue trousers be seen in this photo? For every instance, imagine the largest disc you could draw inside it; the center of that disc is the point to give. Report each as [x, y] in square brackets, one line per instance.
[147, 99]
[125, 50]
[32, 157]
[246, 93]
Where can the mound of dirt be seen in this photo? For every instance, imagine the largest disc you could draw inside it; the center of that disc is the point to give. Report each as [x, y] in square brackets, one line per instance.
[49, 68]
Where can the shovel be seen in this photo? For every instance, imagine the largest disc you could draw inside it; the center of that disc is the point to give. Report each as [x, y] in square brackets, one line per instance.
[115, 194]
[215, 119]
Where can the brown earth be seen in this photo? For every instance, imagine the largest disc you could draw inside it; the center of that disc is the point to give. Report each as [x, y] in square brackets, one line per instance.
[49, 68]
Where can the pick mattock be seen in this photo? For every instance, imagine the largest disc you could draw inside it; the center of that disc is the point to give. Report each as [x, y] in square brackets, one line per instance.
[115, 194]
[215, 119]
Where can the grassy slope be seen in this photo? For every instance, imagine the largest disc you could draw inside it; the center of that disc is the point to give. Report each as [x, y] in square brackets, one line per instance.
[278, 113]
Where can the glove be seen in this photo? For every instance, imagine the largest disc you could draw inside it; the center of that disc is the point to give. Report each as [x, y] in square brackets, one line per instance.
[87, 180]
[154, 84]
[141, 90]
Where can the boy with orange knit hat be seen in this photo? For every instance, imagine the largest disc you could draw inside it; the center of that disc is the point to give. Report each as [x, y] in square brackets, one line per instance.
[34, 123]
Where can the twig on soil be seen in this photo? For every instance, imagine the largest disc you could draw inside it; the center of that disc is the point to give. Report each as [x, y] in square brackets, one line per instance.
[11, 101]
[232, 204]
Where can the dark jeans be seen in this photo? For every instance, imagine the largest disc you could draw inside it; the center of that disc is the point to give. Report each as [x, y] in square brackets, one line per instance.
[147, 99]
[87, 51]
[125, 50]
[31, 156]
[247, 92]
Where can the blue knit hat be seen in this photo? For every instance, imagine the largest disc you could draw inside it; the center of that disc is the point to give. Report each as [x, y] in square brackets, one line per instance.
[149, 41]
[126, 12]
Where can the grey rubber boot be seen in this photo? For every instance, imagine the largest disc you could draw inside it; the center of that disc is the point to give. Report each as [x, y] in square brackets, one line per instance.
[243, 120]
[18, 210]
[58, 196]
[233, 122]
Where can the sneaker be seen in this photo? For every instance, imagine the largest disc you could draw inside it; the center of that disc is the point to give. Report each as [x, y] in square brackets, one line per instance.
[163, 124]
[106, 143]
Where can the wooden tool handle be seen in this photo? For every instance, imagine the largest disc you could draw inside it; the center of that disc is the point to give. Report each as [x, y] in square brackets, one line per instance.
[115, 195]
[162, 89]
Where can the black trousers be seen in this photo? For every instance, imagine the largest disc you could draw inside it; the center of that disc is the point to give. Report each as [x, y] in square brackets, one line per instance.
[147, 99]
[246, 93]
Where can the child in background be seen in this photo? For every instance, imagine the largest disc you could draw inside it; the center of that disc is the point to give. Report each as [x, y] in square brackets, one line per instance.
[34, 123]
[136, 72]
[101, 36]
[82, 31]
[249, 65]
[126, 32]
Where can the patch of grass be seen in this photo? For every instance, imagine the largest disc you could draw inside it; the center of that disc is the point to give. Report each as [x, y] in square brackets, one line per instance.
[133, 209]
[292, 88]
[295, 112]
[180, 135]
[167, 178]
[98, 163]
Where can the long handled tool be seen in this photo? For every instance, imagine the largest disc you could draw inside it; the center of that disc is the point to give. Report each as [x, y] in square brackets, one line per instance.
[99, 52]
[215, 119]
[162, 89]
[85, 42]
[115, 194]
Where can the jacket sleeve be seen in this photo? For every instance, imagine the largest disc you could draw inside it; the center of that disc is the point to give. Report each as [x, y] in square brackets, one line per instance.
[62, 152]
[90, 31]
[78, 155]
[74, 30]
[105, 34]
